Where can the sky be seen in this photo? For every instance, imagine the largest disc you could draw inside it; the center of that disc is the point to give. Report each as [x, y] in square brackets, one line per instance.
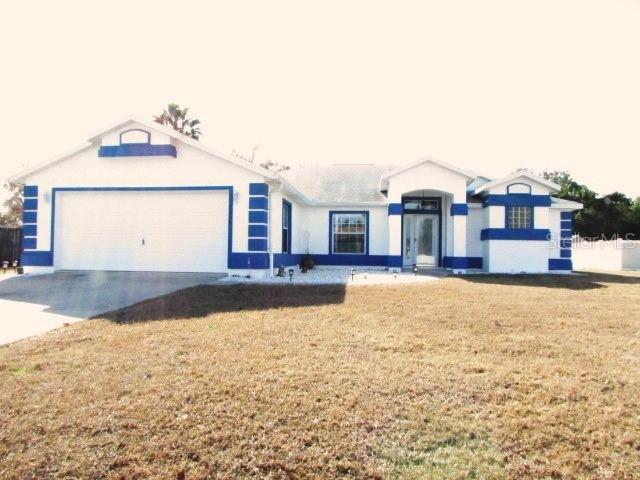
[491, 86]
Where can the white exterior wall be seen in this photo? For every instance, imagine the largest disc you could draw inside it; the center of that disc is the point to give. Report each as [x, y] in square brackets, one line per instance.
[516, 256]
[192, 167]
[615, 255]
[475, 224]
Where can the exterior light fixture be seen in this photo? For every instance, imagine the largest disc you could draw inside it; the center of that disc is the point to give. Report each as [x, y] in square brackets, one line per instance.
[236, 195]
[352, 272]
[415, 269]
[291, 274]
[5, 264]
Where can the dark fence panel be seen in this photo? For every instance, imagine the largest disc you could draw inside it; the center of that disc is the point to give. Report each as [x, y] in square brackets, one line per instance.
[10, 244]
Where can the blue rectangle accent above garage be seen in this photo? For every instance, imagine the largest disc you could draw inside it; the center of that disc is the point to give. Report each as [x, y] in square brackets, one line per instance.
[459, 209]
[30, 217]
[259, 189]
[394, 209]
[565, 252]
[30, 191]
[560, 264]
[30, 204]
[259, 231]
[258, 203]
[515, 234]
[516, 199]
[138, 150]
[257, 244]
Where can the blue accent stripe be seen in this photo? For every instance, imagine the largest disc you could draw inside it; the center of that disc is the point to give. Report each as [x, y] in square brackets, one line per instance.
[29, 217]
[257, 244]
[138, 150]
[566, 233]
[29, 243]
[30, 191]
[344, 259]
[286, 259]
[260, 231]
[394, 209]
[258, 203]
[30, 204]
[565, 253]
[516, 199]
[566, 215]
[259, 189]
[462, 262]
[249, 261]
[459, 209]
[258, 216]
[38, 258]
[566, 224]
[565, 243]
[30, 230]
[515, 234]
[560, 264]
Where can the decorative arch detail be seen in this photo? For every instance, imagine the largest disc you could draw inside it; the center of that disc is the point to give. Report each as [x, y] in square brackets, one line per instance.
[135, 136]
[519, 187]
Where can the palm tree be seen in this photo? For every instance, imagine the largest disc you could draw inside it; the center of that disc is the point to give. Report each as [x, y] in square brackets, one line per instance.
[176, 118]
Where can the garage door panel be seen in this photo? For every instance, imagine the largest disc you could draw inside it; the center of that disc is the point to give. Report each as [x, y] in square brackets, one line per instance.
[148, 231]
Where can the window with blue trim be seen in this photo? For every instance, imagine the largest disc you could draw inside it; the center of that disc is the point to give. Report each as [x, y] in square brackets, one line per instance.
[519, 217]
[349, 233]
[286, 227]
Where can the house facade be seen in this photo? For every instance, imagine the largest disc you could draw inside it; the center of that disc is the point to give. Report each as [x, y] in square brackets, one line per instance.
[141, 197]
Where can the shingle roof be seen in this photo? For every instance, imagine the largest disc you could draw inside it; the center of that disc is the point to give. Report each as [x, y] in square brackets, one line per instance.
[349, 183]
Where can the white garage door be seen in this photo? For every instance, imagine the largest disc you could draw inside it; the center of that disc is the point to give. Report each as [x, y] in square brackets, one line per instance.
[175, 231]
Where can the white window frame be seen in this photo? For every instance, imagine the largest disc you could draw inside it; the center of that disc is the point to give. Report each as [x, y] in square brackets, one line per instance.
[520, 219]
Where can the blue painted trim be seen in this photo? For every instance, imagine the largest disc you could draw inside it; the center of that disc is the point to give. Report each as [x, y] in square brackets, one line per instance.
[30, 191]
[566, 233]
[30, 204]
[30, 230]
[462, 262]
[258, 203]
[29, 217]
[515, 234]
[394, 209]
[37, 258]
[560, 264]
[258, 231]
[257, 244]
[286, 205]
[259, 189]
[366, 237]
[516, 200]
[565, 253]
[229, 190]
[137, 150]
[29, 243]
[565, 243]
[566, 215]
[459, 209]
[349, 259]
[566, 224]
[258, 216]
[286, 259]
[518, 183]
[257, 261]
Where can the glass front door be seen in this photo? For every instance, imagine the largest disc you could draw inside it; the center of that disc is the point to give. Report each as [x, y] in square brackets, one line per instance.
[420, 242]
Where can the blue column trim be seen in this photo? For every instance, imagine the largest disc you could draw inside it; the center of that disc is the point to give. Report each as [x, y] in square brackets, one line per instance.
[560, 264]
[515, 234]
[394, 209]
[516, 199]
[258, 219]
[459, 209]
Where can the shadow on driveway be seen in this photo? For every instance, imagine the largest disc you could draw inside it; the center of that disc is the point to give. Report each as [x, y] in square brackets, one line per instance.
[86, 294]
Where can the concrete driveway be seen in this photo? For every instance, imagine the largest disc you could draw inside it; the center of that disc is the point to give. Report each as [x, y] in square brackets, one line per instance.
[33, 304]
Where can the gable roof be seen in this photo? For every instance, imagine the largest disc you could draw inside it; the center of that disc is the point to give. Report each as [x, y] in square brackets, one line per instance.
[465, 173]
[515, 175]
[342, 183]
[96, 137]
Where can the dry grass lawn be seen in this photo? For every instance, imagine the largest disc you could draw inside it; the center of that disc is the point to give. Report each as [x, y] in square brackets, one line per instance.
[488, 377]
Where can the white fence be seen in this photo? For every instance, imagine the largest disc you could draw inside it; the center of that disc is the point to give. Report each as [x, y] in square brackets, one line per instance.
[606, 255]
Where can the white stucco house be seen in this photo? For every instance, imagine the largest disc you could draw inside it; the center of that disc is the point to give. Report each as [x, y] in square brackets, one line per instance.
[139, 196]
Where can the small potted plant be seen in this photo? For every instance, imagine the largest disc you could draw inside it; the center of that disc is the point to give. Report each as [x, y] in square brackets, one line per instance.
[306, 262]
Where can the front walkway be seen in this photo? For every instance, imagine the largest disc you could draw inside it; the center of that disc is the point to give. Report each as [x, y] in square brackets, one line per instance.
[34, 304]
